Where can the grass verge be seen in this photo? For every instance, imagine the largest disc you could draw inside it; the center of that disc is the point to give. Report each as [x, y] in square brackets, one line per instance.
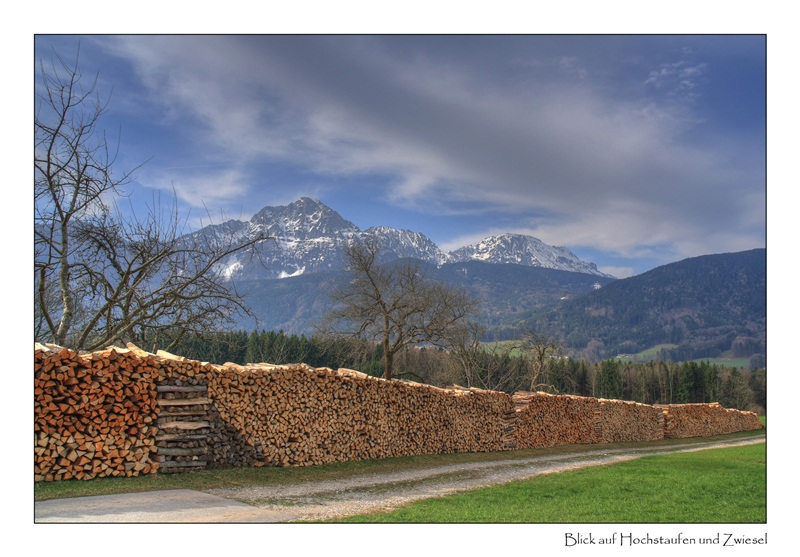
[712, 486]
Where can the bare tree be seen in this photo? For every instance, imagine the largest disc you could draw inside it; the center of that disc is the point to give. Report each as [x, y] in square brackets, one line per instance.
[539, 348]
[483, 365]
[101, 277]
[394, 304]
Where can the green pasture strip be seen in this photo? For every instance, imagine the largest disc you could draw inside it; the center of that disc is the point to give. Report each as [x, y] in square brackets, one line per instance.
[502, 345]
[653, 351]
[711, 486]
[267, 475]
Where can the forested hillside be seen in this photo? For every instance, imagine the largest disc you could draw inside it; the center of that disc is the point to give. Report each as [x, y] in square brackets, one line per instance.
[708, 306]
[703, 307]
[505, 293]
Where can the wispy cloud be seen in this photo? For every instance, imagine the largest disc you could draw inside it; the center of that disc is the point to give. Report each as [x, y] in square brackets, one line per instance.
[551, 139]
[199, 188]
[678, 78]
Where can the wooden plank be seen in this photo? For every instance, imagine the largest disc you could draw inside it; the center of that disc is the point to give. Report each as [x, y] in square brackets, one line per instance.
[181, 388]
[184, 401]
[181, 437]
[172, 451]
[177, 464]
[179, 412]
[185, 425]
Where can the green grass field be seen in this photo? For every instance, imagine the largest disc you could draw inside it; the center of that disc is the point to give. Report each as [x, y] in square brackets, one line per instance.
[712, 486]
[643, 356]
[652, 353]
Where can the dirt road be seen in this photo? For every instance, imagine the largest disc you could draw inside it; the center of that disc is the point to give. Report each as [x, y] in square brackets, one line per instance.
[369, 493]
[321, 500]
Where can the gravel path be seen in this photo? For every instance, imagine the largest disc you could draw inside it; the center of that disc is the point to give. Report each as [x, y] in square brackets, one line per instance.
[385, 491]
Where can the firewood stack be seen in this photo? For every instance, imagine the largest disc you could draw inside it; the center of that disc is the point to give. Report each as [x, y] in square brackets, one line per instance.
[125, 412]
[482, 420]
[545, 420]
[300, 416]
[94, 415]
[629, 421]
[702, 420]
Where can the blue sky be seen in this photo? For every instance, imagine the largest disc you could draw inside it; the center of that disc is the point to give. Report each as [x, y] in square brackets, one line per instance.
[632, 151]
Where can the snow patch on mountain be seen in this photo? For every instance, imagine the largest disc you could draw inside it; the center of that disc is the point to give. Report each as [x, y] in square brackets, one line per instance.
[231, 270]
[297, 273]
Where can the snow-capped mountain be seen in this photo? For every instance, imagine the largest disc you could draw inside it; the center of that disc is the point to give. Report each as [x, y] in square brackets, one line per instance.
[305, 219]
[307, 236]
[303, 237]
[405, 243]
[524, 250]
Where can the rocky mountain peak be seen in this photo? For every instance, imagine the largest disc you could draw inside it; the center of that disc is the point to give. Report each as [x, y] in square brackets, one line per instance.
[526, 250]
[302, 219]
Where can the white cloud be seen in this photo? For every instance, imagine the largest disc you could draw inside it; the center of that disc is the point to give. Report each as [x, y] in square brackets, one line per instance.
[613, 173]
[202, 191]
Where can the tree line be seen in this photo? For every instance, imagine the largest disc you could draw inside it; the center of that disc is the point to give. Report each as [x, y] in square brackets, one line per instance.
[497, 367]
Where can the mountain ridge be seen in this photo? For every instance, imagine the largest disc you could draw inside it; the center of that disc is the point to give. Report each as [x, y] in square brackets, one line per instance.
[704, 306]
[503, 291]
[307, 236]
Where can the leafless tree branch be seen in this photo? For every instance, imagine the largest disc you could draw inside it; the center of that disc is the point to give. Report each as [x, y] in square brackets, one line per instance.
[101, 277]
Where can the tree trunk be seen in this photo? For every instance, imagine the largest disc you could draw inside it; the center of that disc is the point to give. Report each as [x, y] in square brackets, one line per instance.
[388, 360]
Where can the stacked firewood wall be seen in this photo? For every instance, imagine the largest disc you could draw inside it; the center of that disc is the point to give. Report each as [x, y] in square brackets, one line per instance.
[545, 420]
[622, 420]
[481, 420]
[126, 412]
[297, 415]
[701, 420]
[193, 436]
[94, 415]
